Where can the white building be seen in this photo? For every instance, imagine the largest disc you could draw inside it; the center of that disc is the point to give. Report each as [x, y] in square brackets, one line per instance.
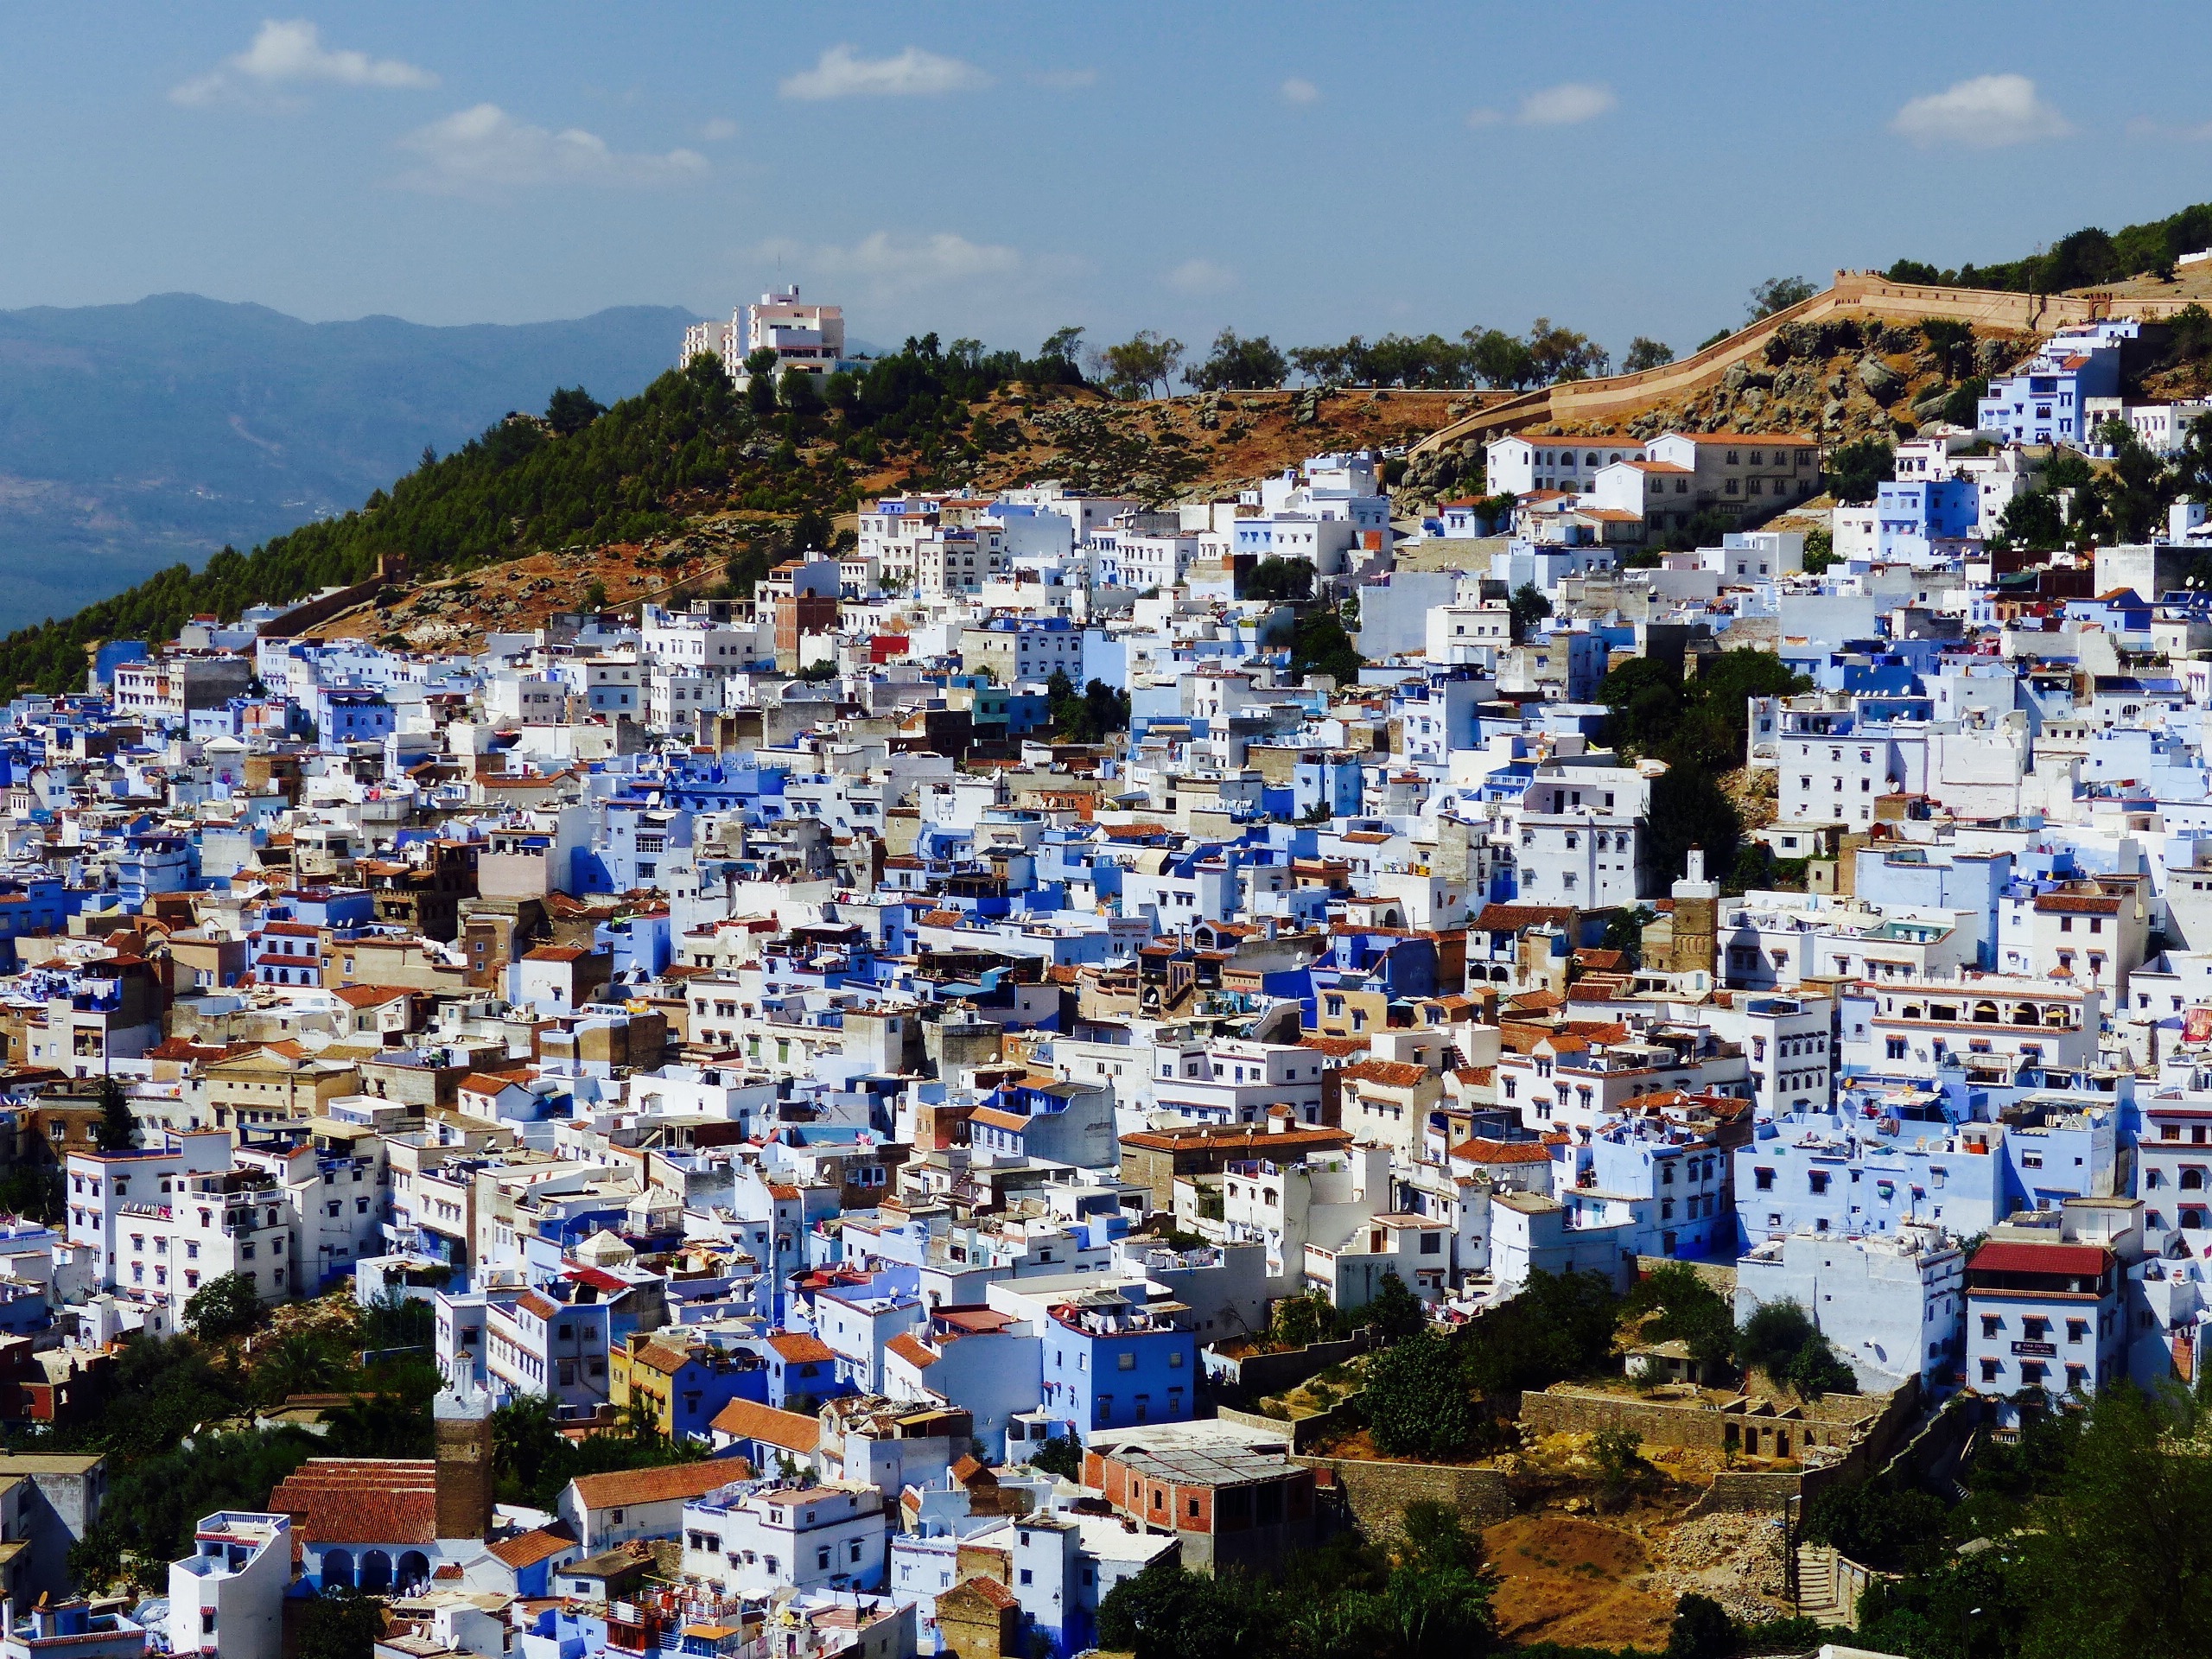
[755, 1539]
[227, 1596]
[1517, 465]
[1891, 1305]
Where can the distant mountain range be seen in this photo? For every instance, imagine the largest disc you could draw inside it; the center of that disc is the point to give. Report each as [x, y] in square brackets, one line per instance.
[135, 436]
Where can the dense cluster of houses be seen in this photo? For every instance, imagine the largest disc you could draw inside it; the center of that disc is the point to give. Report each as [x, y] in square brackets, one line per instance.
[753, 1022]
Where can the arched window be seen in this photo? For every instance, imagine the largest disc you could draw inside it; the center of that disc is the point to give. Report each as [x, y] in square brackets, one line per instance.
[1984, 1013]
[2192, 1180]
[2024, 1013]
[2055, 1016]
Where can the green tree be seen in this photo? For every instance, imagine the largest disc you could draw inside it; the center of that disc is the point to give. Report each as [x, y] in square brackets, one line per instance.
[761, 368]
[1701, 1630]
[596, 595]
[298, 1363]
[2137, 490]
[1417, 1401]
[1277, 578]
[1624, 933]
[570, 409]
[800, 393]
[1239, 364]
[1688, 810]
[525, 1443]
[1557, 352]
[1688, 1310]
[2116, 1562]
[1819, 552]
[1778, 294]
[1858, 470]
[226, 1305]
[1644, 353]
[1500, 360]
[340, 1624]
[1527, 607]
[1963, 406]
[1303, 1319]
[1062, 345]
[1560, 1325]
[1146, 360]
[1167, 1612]
[1062, 1456]
[1440, 1614]
[1395, 1312]
[2033, 521]
[1771, 1338]
[118, 1130]
[33, 1191]
[1318, 644]
[1646, 698]
[1619, 1453]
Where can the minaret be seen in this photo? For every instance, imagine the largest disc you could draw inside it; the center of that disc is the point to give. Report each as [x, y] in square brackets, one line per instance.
[1697, 919]
[463, 1417]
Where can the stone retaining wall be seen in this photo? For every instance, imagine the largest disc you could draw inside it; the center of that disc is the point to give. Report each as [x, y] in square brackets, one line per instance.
[1377, 1493]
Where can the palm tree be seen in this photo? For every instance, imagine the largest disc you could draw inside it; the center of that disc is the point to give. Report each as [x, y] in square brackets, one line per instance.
[297, 1364]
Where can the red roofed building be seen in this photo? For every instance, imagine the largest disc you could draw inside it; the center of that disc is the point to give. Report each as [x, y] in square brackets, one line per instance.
[363, 1522]
[2043, 1314]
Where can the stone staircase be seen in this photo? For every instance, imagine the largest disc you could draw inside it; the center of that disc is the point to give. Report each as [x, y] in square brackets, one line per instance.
[1818, 1595]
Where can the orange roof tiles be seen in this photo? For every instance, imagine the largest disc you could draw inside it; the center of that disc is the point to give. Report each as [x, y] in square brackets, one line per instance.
[626, 1487]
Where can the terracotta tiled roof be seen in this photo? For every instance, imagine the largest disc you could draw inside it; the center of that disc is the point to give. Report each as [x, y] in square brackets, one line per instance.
[2077, 1261]
[910, 1349]
[1390, 1073]
[989, 1590]
[803, 1348]
[749, 1419]
[361, 1500]
[1502, 1152]
[677, 1481]
[1511, 918]
[528, 1548]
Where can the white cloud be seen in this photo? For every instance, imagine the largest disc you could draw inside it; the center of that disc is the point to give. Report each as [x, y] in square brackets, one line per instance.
[912, 73]
[482, 149]
[292, 54]
[1298, 91]
[2143, 127]
[721, 129]
[1986, 113]
[1201, 277]
[1565, 105]
[882, 267]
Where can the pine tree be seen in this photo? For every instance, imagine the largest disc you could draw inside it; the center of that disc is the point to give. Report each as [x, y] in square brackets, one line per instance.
[118, 1130]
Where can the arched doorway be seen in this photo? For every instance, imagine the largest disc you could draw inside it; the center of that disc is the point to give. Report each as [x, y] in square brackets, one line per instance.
[337, 1569]
[376, 1572]
[414, 1569]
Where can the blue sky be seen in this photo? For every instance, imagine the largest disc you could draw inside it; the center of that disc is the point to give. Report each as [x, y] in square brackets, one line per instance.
[1307, 171]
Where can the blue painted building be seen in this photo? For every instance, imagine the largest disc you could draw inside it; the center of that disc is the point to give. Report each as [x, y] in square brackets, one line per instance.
[1109, 1363]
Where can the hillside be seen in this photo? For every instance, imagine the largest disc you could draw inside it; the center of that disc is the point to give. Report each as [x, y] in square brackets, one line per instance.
[686, 483]
[2090, 258]
[132, 436]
